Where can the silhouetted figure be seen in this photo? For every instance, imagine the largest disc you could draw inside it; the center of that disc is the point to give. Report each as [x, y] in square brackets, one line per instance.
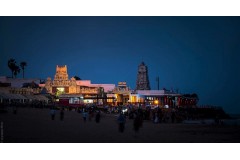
[137, 123]
[131, 114]
[97, 118]
[91, 115]
[78, 110]
[84, 114]
[173, 116]
[52, 112]
[155, 118]
[160, 115]
[121, 122]
[147, 114]
[140, 114]
[62, 114]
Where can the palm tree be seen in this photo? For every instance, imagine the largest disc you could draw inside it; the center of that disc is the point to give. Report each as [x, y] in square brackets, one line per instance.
[16, 70]
[23, 65]
[12, 65]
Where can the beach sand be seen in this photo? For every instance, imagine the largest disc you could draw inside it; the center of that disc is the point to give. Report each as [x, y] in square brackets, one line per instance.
[34, 125]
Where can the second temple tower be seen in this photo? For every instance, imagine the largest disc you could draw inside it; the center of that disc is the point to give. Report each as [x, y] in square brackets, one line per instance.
[142, 78]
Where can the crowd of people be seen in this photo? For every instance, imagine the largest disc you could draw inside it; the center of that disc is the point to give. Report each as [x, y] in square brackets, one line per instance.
[137, 114]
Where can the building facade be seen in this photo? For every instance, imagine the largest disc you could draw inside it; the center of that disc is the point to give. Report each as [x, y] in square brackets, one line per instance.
[21, 90]
[120, 95]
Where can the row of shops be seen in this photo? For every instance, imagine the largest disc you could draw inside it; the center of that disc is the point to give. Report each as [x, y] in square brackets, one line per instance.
[20, 98]
[147, 98]
[144, 97]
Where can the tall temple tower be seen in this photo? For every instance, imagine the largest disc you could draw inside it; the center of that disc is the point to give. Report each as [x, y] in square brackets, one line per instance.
[61, 75]
[142, 78]
[61, 83]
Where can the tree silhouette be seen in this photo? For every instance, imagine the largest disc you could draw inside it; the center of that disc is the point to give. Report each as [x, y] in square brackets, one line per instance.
[12, 65]
[23, 65]
[16, 70]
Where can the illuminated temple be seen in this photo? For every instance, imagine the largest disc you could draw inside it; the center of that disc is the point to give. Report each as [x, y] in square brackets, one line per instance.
[72, 91]
[143, 95]
[75, 92]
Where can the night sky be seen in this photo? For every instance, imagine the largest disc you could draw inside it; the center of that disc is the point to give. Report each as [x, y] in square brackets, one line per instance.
[192, 54]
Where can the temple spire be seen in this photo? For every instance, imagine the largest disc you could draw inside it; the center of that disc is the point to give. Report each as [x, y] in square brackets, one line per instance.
[142, 78]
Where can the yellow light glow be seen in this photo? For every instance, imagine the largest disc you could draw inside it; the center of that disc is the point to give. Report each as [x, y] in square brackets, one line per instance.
[61, 89]
[156, 101]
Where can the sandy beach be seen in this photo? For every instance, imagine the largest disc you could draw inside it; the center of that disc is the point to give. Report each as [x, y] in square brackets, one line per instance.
[34, 125]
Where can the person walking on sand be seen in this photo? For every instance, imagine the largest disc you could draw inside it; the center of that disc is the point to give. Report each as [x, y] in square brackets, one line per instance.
[155, 119]
[121, 122]
[97, 118]
[84, 114]
[62, 114]
[52, 112]
[137, 123]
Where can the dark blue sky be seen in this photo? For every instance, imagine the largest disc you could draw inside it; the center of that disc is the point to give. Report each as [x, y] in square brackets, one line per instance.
[193, 54]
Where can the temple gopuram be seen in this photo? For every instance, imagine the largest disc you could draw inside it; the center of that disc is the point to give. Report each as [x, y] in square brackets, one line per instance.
[72, 91]
[142, 78]
[61, 83]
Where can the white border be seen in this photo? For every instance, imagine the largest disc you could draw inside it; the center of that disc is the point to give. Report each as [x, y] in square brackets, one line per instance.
[119, 8]
[119, 151]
